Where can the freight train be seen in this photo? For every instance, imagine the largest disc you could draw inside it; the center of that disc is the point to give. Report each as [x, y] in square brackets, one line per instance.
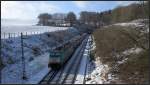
[60, 55]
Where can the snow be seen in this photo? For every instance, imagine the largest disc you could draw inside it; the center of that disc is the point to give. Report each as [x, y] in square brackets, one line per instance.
[36, 65]
[97, 72]
[35, 71]
[38, 77]
[138, 24]
[11, 22]
[16, 29]
[128, 52]
[122, 61]
[80, 76]
[30, 30]
[132, 50]
[25, 26]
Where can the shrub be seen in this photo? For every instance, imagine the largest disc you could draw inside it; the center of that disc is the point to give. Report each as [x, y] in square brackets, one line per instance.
[36, 51]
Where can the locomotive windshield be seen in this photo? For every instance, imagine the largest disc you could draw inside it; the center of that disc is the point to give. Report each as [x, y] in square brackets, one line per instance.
[54, 54]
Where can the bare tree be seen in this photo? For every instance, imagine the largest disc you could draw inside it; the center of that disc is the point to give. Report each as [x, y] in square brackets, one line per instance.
[71, 18]
[43, 18]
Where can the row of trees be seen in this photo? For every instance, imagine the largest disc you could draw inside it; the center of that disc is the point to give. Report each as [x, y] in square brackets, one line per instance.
[119, 14]
[96, 19]
[128, 13]
[46, 19]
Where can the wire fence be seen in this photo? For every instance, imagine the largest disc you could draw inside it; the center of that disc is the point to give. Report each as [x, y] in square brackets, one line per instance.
[5, 35]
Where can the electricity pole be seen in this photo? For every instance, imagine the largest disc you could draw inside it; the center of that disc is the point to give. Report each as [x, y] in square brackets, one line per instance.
[23, 60]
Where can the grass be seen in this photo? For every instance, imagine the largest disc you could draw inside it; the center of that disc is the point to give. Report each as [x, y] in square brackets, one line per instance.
[136, 69]
[109, 41]
[116, 39]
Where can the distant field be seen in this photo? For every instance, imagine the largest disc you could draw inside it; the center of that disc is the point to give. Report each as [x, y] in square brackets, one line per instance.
[16, 29]
[29, 29]
[15, 26]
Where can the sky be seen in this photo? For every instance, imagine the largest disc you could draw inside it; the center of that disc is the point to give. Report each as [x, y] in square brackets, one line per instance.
[29, 10]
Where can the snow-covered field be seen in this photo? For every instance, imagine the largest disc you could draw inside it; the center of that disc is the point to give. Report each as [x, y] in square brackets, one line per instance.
[16, 29]
[25, 26]
[29, 30]
[18, 22]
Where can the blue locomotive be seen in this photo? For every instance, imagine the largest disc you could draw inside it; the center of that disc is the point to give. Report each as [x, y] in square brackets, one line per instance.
[60, 55]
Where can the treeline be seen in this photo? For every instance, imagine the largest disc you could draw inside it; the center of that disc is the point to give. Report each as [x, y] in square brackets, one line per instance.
[97, 19]
[119, 14]
[46, 19]
[126, 13]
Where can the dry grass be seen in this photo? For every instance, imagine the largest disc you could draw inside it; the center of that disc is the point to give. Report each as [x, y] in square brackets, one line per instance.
[110, 40]
[136, 69]
[116, 39]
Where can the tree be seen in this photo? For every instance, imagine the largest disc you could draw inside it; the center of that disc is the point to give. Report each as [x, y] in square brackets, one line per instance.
[44, 19]
[71, 18]
[88, 17]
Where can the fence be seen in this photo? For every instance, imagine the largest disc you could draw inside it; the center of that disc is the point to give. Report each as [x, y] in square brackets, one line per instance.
[9, 35]
[14, 35]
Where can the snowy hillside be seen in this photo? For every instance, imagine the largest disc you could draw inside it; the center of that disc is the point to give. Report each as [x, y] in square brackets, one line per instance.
[140, 24]
[124, 48]
[36, 49]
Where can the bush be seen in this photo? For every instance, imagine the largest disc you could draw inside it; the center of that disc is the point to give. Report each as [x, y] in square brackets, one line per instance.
[92, 55]
[36, 51]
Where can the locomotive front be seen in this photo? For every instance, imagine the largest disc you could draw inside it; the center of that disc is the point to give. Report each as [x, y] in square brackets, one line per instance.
[55, 59]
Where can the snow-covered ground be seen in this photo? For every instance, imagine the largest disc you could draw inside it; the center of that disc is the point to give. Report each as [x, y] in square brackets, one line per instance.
[16, 29]
[28, 29]
[139, 23]
[35, 51]
[35, 70]
[81, 72]
[18, 22]
[95, 72]
[25, 26]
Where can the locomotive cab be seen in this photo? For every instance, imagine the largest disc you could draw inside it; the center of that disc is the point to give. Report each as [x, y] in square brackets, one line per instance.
[55, 58]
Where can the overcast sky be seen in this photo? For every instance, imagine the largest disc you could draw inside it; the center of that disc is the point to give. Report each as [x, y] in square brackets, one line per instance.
[28, 10]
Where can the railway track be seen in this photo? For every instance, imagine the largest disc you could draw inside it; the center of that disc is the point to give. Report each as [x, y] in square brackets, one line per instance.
[68, 76]
[51, 74]
[63, 76]
[71, 74]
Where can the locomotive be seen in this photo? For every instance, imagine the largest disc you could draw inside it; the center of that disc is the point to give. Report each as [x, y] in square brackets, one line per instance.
[60, 55]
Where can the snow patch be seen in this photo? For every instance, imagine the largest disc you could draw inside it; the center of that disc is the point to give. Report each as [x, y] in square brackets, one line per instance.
[132, 50]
